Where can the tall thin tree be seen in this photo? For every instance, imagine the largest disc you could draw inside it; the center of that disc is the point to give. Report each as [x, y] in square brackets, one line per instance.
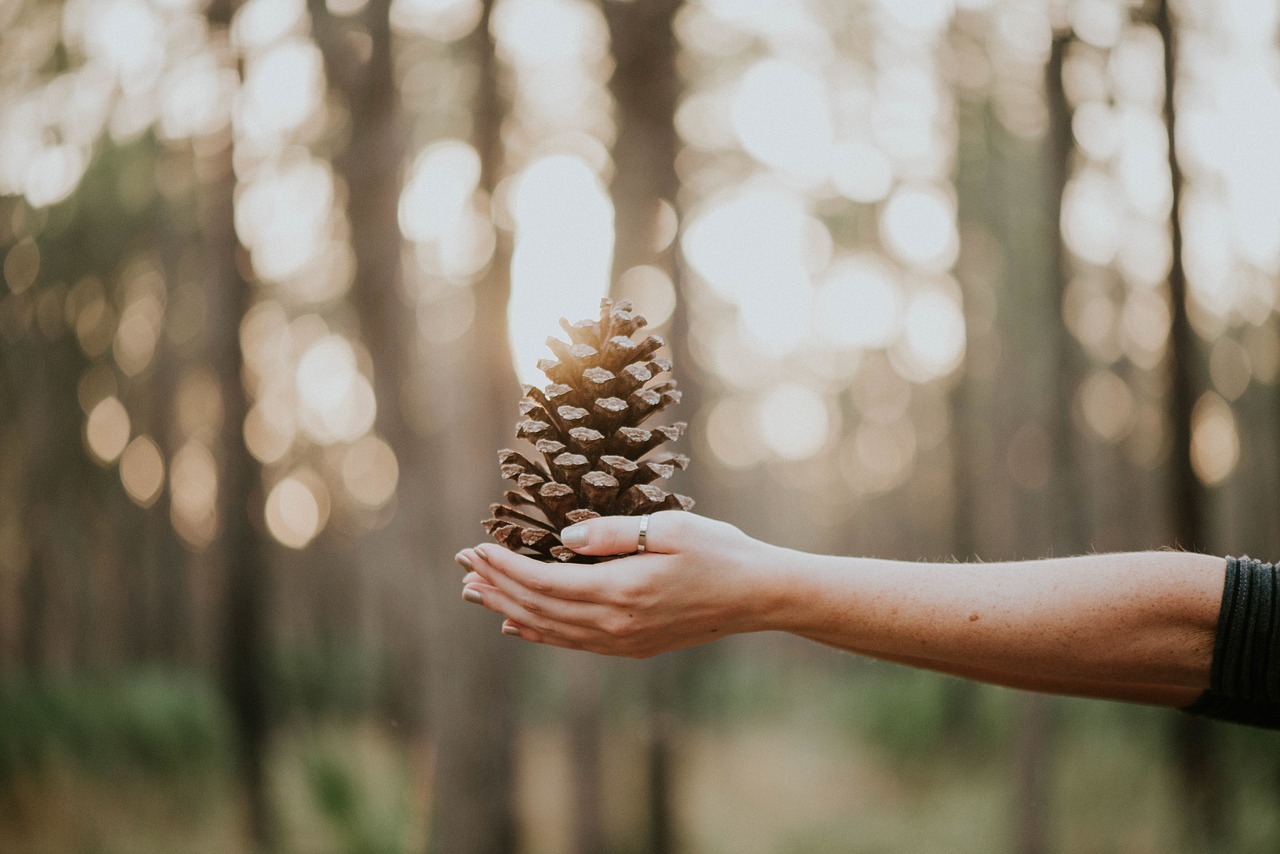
[446, 481]
[1195, 739]
[246, 607]
[646, 86]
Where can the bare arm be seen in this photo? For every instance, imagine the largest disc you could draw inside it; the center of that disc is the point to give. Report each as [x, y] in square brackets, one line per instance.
[1127, 626]
[1136, 627]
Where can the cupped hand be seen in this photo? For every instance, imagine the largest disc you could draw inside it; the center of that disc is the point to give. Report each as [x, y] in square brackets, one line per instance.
[698, 580]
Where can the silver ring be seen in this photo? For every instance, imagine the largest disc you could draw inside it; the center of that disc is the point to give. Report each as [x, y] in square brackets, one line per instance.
[644, 534]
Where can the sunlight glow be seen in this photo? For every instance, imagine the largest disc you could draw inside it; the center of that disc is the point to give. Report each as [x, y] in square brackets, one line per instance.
[748, 239]
[539, 33]
[1092, 206]
[443, 20]
[282, 88]
[438, 210]
[784, 23]
[781, 114]
[859, 303]
[754, 247]
[1098, 22]
[794, 421]
[286, 216]
[919, 226]
[442, 180]
[126, 36]
[934, 335]
[336, 402]
[259, 23]
[926, 15]
[196, 97]
[860, 171]
[563, 251]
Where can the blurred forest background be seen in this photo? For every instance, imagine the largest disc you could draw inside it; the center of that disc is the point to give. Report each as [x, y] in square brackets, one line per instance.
[942, 279]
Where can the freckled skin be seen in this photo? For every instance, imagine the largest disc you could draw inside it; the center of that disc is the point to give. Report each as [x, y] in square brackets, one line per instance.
[1136, 627]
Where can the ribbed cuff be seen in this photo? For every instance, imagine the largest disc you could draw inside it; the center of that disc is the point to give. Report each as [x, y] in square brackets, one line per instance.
[1244, 678]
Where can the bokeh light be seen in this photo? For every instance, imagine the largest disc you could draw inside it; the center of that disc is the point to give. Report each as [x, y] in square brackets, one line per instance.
[934, 335]
[444, 20]
[337, 403]
[781, 115]
[193, 491]
[370, 471]
[1215, 441]
[793, 420]
[106, 431]
[142, 471]
[297, 509]
[918, 224]
[859, 303]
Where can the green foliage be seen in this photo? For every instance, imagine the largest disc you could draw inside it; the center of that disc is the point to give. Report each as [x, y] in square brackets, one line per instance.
[364, 824]
[334, 678]
[911, 715]
[162, 722]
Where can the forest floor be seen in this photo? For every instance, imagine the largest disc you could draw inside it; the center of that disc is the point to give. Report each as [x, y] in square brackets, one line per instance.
[775, 779]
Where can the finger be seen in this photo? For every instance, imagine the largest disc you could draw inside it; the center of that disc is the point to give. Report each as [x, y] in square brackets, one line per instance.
[544, 604]
[514, 629]
[497, 600]
[615, 535]
[571, 581]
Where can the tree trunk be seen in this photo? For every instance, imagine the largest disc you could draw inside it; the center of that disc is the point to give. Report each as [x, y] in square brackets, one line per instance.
[246, 604]
[447, 482]
[1067, 496]
[472, 663]
[1194, 738]
[645, 87]
[175, 617]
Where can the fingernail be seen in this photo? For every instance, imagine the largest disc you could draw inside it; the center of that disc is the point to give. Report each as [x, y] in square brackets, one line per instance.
[472, 595]
[511, 630]
[574, 536]
[479, 550]
[463, 561]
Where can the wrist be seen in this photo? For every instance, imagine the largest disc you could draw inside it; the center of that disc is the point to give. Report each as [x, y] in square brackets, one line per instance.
[784, 590]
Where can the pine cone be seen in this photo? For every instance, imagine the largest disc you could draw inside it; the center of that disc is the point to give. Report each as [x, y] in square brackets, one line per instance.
[593, 457]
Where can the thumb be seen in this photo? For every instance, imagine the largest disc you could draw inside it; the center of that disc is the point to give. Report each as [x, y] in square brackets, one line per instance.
[614, 535]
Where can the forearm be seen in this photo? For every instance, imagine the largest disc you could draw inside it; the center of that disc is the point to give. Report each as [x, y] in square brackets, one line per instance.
[1129, 626]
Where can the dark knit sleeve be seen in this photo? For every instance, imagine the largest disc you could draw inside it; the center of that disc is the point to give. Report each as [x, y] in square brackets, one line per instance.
[1244, 678]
